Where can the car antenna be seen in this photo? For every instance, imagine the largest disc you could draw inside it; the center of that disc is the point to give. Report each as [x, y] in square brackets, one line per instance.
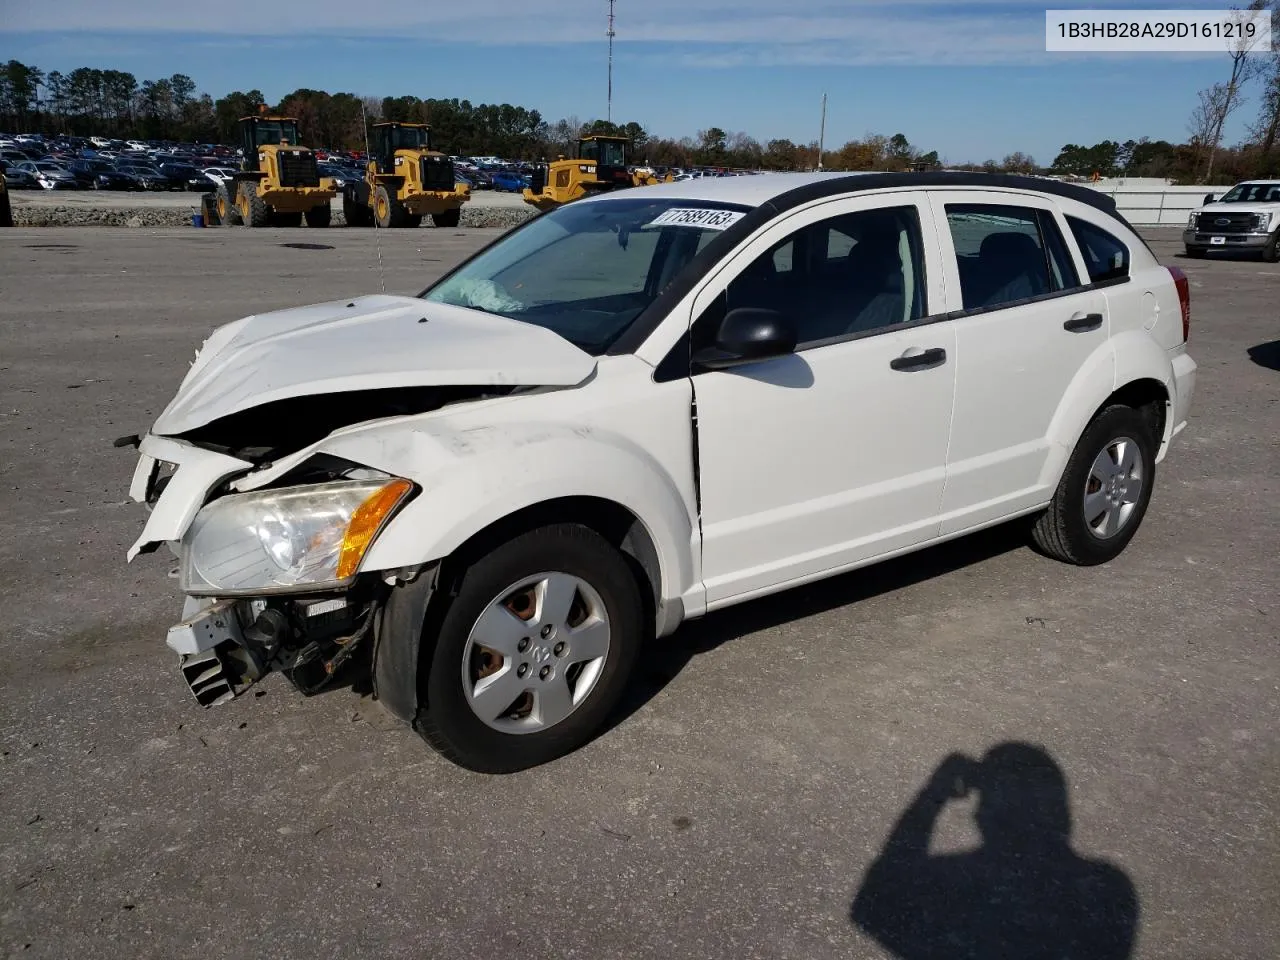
[377, 236]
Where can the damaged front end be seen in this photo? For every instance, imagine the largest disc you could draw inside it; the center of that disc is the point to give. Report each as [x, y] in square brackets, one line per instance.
[229, 645]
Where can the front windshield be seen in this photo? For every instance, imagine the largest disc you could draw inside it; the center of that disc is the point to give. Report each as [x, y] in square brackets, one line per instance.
[607, 153]
[410, 138]
[275, 131]
[587, 270]
[1253, 193]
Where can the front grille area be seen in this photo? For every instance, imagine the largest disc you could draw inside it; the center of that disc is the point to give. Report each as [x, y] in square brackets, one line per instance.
[437, 173]
[298, 169]
[1222, 223]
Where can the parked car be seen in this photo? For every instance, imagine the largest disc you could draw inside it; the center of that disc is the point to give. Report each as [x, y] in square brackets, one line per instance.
[183, 176]
[16, 178]
[217, 175]
[341, 175]
[101, 175]
[505, 180]
[1246, 218]
[50, 175]
[501, 487]
[148, 176]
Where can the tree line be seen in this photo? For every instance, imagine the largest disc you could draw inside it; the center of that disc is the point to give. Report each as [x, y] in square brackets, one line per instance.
[112, 103]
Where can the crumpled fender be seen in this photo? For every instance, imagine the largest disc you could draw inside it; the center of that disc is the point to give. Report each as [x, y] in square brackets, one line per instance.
[473, 477]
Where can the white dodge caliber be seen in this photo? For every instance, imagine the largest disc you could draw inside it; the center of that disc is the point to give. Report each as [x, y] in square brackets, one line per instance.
[644, 406]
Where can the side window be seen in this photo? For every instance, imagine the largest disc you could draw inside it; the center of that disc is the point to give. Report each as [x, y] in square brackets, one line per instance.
[850, 274]
[1104, 255]
[1006, 253]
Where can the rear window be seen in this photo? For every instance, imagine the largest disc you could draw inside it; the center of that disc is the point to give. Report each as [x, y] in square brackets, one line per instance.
[1105, 256]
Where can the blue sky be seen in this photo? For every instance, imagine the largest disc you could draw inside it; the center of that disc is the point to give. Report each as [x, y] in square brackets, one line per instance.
[971, 80]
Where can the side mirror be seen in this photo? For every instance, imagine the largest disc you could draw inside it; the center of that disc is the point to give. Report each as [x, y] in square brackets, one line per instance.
[746, 335]
[1208, 198]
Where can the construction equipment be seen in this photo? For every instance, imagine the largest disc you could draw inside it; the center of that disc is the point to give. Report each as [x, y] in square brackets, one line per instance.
[278, 183]
[404, 181]
[6, 212]
[601, 165]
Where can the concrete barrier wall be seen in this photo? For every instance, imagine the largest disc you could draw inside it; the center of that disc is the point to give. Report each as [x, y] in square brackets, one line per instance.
[1150, 204]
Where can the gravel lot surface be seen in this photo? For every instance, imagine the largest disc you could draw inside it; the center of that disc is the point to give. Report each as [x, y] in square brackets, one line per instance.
[768, 751]
[107, 208]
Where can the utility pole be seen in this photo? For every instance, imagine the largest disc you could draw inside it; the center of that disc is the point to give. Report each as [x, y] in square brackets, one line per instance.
[822, 131]
[609, 115]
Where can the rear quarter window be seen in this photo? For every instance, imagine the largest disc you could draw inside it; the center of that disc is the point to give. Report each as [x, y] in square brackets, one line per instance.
[1105, 255]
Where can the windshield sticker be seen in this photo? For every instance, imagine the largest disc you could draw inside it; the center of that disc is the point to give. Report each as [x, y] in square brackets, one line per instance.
[696, 217]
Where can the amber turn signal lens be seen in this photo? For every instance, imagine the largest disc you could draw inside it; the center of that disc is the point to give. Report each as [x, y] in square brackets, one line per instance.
[366, 522]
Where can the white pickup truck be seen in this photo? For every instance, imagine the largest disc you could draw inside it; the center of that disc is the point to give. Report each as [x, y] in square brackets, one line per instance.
[1246, 218]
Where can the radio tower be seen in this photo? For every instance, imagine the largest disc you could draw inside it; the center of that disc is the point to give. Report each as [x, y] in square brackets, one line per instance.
[610, 35]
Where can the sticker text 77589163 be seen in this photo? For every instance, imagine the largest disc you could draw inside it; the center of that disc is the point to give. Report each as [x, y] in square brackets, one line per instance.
[697, 217]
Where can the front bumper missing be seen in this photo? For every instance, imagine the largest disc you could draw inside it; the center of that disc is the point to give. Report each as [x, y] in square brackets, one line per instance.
[217, 661]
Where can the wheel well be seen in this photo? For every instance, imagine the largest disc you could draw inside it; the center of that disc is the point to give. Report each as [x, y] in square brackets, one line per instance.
[1148, 397]
[618, 525]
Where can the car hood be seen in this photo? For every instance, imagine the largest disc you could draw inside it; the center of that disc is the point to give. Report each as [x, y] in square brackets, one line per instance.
[368, 343]
[1221, 208]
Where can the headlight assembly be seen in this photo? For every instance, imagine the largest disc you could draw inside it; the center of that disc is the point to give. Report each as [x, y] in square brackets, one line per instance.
[283, 541]
[1191, 221]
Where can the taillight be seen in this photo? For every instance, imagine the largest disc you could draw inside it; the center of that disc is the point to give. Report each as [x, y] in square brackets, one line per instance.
[1184, 298]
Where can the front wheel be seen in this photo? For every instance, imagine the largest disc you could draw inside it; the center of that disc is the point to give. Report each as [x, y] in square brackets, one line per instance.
[1104, 491]
[450, 218]
[319, 216]
[533, 653]
[1271, 252]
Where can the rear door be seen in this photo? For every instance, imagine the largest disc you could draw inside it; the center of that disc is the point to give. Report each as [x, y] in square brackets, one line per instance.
[1027, 327]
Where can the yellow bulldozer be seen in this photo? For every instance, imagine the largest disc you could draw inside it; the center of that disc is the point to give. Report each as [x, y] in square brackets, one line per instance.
[278, 183]
[601, 165]
[6, 211]
[404, 181]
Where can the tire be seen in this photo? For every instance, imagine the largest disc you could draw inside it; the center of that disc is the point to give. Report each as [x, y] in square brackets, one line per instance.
[450, 218]
[228, 212]
[286, 219]
[6, 210]
[388, 212]
[319, 216]
[356, 213]
[1271, 252]
[254, 211]
[1196, 253]
[1067, 531]
[446, 718]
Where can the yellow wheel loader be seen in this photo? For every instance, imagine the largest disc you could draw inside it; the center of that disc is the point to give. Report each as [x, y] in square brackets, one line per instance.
[601, 165]
[278, 183]
[6, 212]
[405, 181]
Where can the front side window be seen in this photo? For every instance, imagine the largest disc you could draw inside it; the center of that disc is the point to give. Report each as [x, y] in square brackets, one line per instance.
[1006, 254]
[587, 270]
[847, 275]
[1253, 193]
[1105, 257]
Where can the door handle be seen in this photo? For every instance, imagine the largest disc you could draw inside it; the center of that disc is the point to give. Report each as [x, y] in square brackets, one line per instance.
[917, 359]
[1084, 323]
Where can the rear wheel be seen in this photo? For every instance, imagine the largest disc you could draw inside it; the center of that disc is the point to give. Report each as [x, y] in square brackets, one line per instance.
[320, 216]
[254, 211]
[1104, 491]
[387, 210]
[355, 211]
[533, 652]
[450, 218]
[228, 212]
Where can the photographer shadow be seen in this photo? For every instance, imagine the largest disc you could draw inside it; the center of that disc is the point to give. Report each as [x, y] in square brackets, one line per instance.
[1024, 893]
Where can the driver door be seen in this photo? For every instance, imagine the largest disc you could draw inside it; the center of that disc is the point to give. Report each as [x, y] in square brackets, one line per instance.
[835, 454]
